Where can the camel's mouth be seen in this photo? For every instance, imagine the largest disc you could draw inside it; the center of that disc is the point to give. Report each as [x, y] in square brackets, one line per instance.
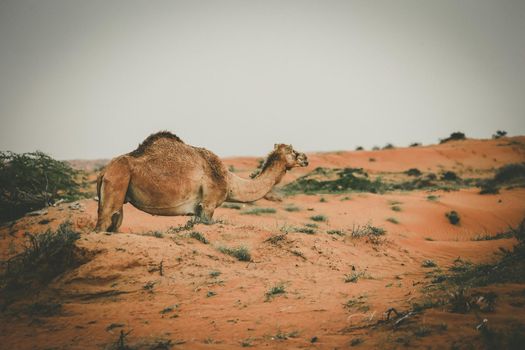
[302, 160]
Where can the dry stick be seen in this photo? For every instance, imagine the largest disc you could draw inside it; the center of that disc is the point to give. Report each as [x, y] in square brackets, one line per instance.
[161, 268]
[121, 343]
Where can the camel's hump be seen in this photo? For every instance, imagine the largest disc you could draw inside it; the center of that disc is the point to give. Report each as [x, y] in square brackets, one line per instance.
[151, 139]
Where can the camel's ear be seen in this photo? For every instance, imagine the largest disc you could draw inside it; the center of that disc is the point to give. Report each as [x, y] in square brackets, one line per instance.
[289, 147]
[275, 146]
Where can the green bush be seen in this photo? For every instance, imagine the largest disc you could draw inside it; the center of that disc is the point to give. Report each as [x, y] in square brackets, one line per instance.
[499, 134]
[510, 174]
[453, 217]
[455, 136]
[347, 179]
[32, 181]
[413, 172]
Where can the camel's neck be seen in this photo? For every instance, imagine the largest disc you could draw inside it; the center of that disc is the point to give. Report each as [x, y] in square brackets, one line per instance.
[244, 190]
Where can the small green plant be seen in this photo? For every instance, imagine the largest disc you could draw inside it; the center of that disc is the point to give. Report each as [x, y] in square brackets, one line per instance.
[453, 217]
[358, 303]
[235, 206]
[413, 172]
[335, 232]
[415, 144]
[311, 225]
[307, 230]
[259, 211]
[156, 234]
[169, 309]
[392, 220]
[346, 198]
[240, 253]
[388, 146]
[367, 231]
[353, 277]
[449, 176]
[323, 200]
[396, 208]
[359, 148]
[319, 218]
[292, 208]
[428, 263]
[199, 237]
[432, 198]
[275, 290]
[215, 273]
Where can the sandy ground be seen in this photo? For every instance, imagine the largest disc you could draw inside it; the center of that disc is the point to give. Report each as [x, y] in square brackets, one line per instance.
[205, 299]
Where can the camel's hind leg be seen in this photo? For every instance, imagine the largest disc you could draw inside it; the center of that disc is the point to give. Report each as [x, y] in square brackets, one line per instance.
[112, 187]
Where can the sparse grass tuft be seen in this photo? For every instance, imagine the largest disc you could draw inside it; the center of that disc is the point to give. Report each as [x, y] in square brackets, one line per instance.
[353, 277]
[156, 234]
[432, 198]
[307, 230]
[199, 237]
[319, 218]
[275, 290]
[240, 253]
[428, 263]
[367, 230]
[393, 220]
[235, 206]
[292, 208]
[335, 232]
[46, 256]
[396, 208]
[259, 211]
[358, 303]
[215, 273]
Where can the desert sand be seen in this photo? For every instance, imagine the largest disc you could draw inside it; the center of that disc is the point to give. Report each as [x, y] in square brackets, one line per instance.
[205, 299]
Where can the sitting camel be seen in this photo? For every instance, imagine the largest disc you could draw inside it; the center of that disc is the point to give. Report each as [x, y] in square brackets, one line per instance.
[165, 176]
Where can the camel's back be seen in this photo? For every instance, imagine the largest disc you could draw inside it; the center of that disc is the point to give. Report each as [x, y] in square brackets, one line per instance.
[165, 169]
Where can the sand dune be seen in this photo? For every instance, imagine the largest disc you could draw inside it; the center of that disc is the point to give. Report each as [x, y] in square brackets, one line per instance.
[205, 299]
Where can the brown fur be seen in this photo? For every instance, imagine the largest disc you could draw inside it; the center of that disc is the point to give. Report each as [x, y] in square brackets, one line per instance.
[165, 176]
[150, 140]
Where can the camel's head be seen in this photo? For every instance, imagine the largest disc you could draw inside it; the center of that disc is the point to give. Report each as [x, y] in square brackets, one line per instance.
[292, 157]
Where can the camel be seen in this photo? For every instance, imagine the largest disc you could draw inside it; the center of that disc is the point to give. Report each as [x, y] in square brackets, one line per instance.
[165, 176]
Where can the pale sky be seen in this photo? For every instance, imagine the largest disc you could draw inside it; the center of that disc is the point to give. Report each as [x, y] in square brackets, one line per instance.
[91, 79]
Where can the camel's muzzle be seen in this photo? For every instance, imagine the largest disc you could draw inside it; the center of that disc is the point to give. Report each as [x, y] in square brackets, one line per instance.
[302, 160]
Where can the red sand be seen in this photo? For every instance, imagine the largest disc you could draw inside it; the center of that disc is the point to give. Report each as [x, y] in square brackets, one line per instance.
[311, 267]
